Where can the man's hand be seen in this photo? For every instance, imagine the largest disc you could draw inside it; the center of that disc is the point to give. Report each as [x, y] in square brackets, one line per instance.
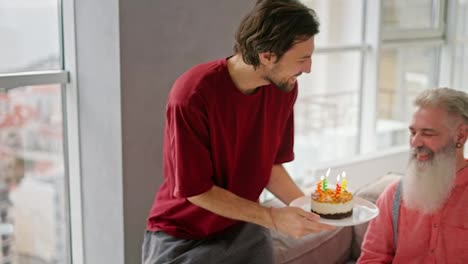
[296, 222]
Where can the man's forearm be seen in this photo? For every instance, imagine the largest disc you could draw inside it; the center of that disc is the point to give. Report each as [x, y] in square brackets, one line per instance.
[292, 221]
[282, 186]
[229, 205]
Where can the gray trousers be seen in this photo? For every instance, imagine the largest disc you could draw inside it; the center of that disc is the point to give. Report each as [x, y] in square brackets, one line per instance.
[246, 244]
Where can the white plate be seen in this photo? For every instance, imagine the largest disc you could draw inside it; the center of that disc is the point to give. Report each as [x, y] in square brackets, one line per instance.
[363, 211]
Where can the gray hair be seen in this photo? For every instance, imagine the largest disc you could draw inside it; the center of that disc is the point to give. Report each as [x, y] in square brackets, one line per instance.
[455, 102]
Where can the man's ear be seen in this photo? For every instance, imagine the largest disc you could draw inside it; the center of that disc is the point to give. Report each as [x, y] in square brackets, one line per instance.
[462, 133]
[267, 58]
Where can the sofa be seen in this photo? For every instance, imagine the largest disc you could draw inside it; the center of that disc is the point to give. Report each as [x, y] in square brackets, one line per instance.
[341, 245]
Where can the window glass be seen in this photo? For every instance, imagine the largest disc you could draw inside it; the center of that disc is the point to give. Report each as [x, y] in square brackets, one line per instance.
[340, 21]
[33, 212]
[326, 111]
[403, 74]
[29, 31]
[408, 15]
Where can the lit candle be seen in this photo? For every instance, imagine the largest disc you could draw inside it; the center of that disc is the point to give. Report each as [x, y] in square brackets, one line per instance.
[319, 185]
[338, 187]
[324, 183]
[344, 182]
[337, 191]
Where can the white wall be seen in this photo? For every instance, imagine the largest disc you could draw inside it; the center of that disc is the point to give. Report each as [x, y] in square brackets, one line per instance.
[100, 121]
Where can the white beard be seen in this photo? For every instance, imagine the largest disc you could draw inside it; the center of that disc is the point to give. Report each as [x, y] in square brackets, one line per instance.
[427, 184]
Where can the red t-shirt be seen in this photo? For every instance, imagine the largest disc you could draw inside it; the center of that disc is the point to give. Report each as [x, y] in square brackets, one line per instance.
[216, 135]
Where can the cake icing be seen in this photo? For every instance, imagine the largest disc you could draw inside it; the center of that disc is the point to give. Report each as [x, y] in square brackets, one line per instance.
[329, 204]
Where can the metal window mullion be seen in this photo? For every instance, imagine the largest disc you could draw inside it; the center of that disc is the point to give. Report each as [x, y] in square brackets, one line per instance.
[448, 51]
[61, 34]
[13, 80]
[369, 91]
[362, 76]
[413, 43]
[341, 48]
[436, 68]
[66, 252]
[72, 137]
[440, 14]
[401, 89]
[412, 34]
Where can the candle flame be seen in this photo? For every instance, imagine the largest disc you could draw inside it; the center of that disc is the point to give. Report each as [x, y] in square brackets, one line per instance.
[328, 172]
[344, 174]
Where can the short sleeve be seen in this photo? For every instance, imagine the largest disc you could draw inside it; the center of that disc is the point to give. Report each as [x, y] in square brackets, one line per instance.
[187, 150]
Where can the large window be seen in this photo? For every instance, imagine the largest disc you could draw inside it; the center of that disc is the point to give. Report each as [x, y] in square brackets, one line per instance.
[33, 194]
[372, 58]
[327, 108]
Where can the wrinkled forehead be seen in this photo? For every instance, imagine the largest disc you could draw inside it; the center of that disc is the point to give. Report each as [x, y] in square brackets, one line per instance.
[437, 119]
[429, 117]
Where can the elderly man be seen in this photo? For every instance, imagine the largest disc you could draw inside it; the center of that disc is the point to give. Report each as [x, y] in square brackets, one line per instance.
[431, 221]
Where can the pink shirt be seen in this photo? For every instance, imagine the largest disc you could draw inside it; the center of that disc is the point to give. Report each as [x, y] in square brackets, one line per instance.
[438, 238]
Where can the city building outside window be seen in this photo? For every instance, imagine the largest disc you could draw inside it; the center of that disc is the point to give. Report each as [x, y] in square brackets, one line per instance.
[33, 193]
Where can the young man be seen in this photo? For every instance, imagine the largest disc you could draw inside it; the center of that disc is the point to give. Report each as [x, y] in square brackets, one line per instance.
[432, 226]
[229, 128]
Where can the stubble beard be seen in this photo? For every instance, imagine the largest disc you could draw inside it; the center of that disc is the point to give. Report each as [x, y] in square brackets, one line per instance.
[284, 86]
[427, 184]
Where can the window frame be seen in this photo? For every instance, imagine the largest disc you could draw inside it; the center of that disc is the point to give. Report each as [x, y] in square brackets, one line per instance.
[438, 14]
[374, 39]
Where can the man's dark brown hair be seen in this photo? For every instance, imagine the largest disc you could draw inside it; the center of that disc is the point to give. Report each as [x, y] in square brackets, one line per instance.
[274, 26]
